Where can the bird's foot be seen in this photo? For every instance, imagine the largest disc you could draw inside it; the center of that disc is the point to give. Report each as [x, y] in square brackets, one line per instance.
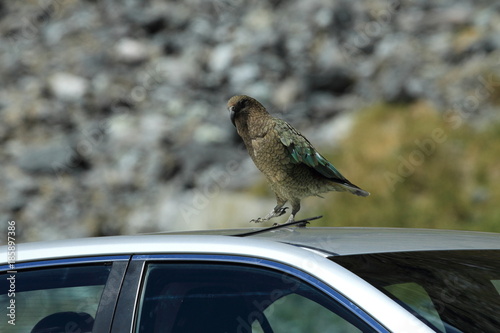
[272, 214]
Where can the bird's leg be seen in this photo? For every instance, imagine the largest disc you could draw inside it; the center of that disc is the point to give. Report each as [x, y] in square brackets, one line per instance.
[277, 211]
[295, 209]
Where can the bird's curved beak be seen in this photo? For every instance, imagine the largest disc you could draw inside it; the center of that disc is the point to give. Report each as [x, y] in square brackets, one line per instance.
[232, 114]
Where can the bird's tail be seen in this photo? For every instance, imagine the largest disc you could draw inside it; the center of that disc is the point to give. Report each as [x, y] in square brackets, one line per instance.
[349, 187]
[357, 191]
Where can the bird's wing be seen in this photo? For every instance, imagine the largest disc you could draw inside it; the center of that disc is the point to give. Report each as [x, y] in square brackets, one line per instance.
[302, 151]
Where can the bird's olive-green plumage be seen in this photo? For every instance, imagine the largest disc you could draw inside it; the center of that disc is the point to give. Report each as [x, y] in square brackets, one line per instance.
[293, 168]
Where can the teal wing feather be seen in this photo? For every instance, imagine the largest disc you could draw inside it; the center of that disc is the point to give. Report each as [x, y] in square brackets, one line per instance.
[302, 151]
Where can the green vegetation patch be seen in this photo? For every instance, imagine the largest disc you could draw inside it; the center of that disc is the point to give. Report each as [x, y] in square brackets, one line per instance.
[424, 168]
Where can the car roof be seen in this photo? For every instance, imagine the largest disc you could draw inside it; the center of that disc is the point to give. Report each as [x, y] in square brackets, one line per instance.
[253, 241]
[361, 240]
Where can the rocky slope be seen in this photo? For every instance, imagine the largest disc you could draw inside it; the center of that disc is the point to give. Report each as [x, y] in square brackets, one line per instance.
[113, 112]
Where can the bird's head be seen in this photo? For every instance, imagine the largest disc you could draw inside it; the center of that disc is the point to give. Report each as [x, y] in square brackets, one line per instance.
[242, 104]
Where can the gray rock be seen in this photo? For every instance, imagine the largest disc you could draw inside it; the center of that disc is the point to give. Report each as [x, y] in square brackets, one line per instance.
[337, 81]
[243, 74]
[221, 57]
[131, 51]
[20, 189]
[67, 86]
[54, 158]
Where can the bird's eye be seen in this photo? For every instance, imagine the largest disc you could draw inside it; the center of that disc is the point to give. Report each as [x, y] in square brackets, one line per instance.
[242, 103]
[238, 106]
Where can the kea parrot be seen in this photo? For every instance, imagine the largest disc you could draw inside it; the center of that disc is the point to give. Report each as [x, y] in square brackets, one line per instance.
[293, 167]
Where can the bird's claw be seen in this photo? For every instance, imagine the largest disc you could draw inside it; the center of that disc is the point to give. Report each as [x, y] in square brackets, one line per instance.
[280, 211]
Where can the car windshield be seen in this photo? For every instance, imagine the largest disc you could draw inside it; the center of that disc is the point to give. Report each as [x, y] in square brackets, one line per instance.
[450, 291]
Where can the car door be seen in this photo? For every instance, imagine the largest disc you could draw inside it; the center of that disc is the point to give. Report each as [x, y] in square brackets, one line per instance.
[216, 293]
[64, 295]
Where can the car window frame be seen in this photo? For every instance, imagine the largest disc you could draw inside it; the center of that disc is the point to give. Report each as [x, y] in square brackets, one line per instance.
[129, 298]
[107, 304]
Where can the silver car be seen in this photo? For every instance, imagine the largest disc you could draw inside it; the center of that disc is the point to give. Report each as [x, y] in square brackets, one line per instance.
[283, 279]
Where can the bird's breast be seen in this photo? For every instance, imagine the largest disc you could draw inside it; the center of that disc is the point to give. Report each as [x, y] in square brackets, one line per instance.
[271, 158]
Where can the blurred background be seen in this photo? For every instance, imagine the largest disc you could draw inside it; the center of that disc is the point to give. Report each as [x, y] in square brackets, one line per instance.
[114, 120]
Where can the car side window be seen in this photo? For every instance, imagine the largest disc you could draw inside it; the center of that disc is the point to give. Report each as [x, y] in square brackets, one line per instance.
[417, 298]
[63, 299]
[200, 297]
[284, 316]
[496, 284]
